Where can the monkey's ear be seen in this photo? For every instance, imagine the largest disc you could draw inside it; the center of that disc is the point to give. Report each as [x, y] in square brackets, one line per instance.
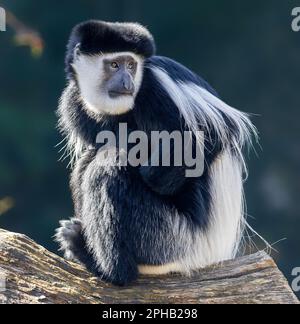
[77, 51]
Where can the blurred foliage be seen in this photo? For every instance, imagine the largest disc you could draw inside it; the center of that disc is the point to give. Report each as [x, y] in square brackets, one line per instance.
[6, 204]
[245, 49]
[24, 35]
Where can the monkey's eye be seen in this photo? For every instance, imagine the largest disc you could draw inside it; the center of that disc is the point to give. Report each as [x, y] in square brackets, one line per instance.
[130, 65]
[114, 65]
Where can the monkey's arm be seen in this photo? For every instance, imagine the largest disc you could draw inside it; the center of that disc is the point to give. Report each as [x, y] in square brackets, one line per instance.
[104, 217]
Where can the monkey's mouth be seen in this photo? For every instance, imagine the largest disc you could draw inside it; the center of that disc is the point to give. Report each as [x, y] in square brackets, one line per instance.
[117, 94]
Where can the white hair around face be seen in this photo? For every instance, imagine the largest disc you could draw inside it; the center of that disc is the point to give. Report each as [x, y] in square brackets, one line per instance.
[90, 73]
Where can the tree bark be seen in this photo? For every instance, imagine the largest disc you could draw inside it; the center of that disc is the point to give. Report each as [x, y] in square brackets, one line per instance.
[29, 274]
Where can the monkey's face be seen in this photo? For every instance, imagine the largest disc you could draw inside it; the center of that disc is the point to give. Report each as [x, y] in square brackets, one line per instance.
[108, 83]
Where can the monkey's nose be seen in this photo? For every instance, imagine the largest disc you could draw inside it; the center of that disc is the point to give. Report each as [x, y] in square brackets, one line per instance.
[128, 85]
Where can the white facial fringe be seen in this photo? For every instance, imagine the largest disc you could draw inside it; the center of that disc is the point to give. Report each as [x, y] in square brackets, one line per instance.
[90, 71]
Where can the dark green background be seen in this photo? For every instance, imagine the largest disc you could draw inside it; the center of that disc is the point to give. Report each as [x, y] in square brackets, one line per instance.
[245, 49]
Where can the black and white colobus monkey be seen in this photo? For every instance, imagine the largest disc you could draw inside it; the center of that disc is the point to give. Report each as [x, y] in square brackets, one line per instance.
[146, 219]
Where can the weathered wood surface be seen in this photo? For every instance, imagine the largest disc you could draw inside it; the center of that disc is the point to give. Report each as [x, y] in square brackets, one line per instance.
[31, 274]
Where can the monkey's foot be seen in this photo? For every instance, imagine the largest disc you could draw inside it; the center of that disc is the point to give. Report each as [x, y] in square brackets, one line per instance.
[70, 238]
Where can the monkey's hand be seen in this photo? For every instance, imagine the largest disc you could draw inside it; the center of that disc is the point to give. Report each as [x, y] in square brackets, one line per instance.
[123, 268]
[112, 258]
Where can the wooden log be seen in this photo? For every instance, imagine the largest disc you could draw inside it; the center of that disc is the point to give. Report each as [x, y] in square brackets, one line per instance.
[29, 274]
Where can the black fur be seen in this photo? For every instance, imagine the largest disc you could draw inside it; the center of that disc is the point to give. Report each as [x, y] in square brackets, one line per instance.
[132, 216]
[95, 37]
